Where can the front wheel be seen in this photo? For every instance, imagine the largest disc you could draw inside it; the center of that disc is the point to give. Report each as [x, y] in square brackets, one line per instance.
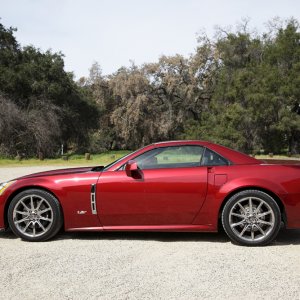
[251, 218]
[34, 215]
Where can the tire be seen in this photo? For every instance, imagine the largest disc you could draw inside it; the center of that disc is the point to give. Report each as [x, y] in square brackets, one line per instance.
[35, 215]
[251, 218]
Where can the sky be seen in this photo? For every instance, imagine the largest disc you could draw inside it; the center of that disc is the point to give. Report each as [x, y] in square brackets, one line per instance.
[115, 32]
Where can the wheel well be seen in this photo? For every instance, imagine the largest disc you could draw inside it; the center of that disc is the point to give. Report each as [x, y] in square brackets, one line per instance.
[18, 191]
[274, 196]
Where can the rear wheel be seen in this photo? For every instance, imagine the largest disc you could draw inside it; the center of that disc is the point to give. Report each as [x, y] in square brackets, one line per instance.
[35, 215]
[251, 218]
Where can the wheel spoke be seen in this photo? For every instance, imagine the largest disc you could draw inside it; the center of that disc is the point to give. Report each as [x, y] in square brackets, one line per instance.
[31, 202]
[265, 222]
[259, 206]
[250, 206]
[45, 219]
[242, 207]
[237, 224]
[26, 227]
[39, 204]
[238, 215]
[45, 210]
[20, 221]
[41, 225]
[24, 205]
[264, 214]
[260, 229]
[244, 230]
[24, 213]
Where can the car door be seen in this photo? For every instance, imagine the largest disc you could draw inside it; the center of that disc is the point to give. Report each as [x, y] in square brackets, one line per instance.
[170, 191]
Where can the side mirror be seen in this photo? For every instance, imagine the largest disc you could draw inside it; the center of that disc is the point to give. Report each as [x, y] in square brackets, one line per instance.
[132, 170]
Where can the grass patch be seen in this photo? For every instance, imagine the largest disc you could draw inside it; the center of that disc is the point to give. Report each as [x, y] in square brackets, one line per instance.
[277, 157]
[96, 160]
[73, 160]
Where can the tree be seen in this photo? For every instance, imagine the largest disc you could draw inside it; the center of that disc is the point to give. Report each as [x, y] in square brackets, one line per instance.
[50, 102]
[255, 99]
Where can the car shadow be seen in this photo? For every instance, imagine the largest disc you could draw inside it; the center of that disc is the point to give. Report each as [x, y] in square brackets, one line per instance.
[149, 236]
[7, 235]
[285, 237]
[288, 237]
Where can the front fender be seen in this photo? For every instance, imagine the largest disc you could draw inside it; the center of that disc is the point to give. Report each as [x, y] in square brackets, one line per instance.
[73, 193]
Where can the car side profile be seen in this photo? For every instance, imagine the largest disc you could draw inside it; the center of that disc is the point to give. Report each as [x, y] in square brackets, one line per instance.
[167, 186]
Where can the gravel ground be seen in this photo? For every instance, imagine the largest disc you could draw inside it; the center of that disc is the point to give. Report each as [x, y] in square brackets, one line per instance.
[146, 265]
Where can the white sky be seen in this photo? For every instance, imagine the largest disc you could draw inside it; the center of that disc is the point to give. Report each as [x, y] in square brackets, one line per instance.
[113, 32]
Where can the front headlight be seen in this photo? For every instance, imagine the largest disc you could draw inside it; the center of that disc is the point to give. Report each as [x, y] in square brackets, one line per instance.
[4, 186]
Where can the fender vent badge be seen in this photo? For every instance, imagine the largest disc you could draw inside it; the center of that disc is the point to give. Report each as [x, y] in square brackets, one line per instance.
[93, 199]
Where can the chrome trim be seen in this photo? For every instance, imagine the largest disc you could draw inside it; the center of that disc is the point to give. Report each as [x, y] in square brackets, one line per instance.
[93, 199]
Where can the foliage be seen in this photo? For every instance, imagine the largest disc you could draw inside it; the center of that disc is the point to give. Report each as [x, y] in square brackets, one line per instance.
[239, 89]
[255, 103]
[41, 106]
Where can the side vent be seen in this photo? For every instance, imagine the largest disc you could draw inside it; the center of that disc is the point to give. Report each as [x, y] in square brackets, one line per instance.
[93, 199]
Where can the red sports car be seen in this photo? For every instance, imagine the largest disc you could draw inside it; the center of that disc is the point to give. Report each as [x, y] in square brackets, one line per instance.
[168, 186]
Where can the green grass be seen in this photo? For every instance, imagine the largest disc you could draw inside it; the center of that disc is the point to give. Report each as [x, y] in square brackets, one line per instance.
[276, 157]
[73, 160]
[96, 160]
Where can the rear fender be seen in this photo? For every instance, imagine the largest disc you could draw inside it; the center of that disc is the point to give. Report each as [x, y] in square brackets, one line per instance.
[217, 194]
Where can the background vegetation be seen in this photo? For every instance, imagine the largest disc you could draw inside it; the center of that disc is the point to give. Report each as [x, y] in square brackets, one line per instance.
[239, 88]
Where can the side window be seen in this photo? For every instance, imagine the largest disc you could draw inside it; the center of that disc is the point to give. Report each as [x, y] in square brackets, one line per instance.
[211, 158]
[170, 157]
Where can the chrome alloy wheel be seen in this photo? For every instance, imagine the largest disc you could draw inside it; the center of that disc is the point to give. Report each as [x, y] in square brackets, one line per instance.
[251, 219]
[33, 215]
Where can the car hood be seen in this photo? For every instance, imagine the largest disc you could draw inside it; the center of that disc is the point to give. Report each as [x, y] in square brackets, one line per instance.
[63, 172]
